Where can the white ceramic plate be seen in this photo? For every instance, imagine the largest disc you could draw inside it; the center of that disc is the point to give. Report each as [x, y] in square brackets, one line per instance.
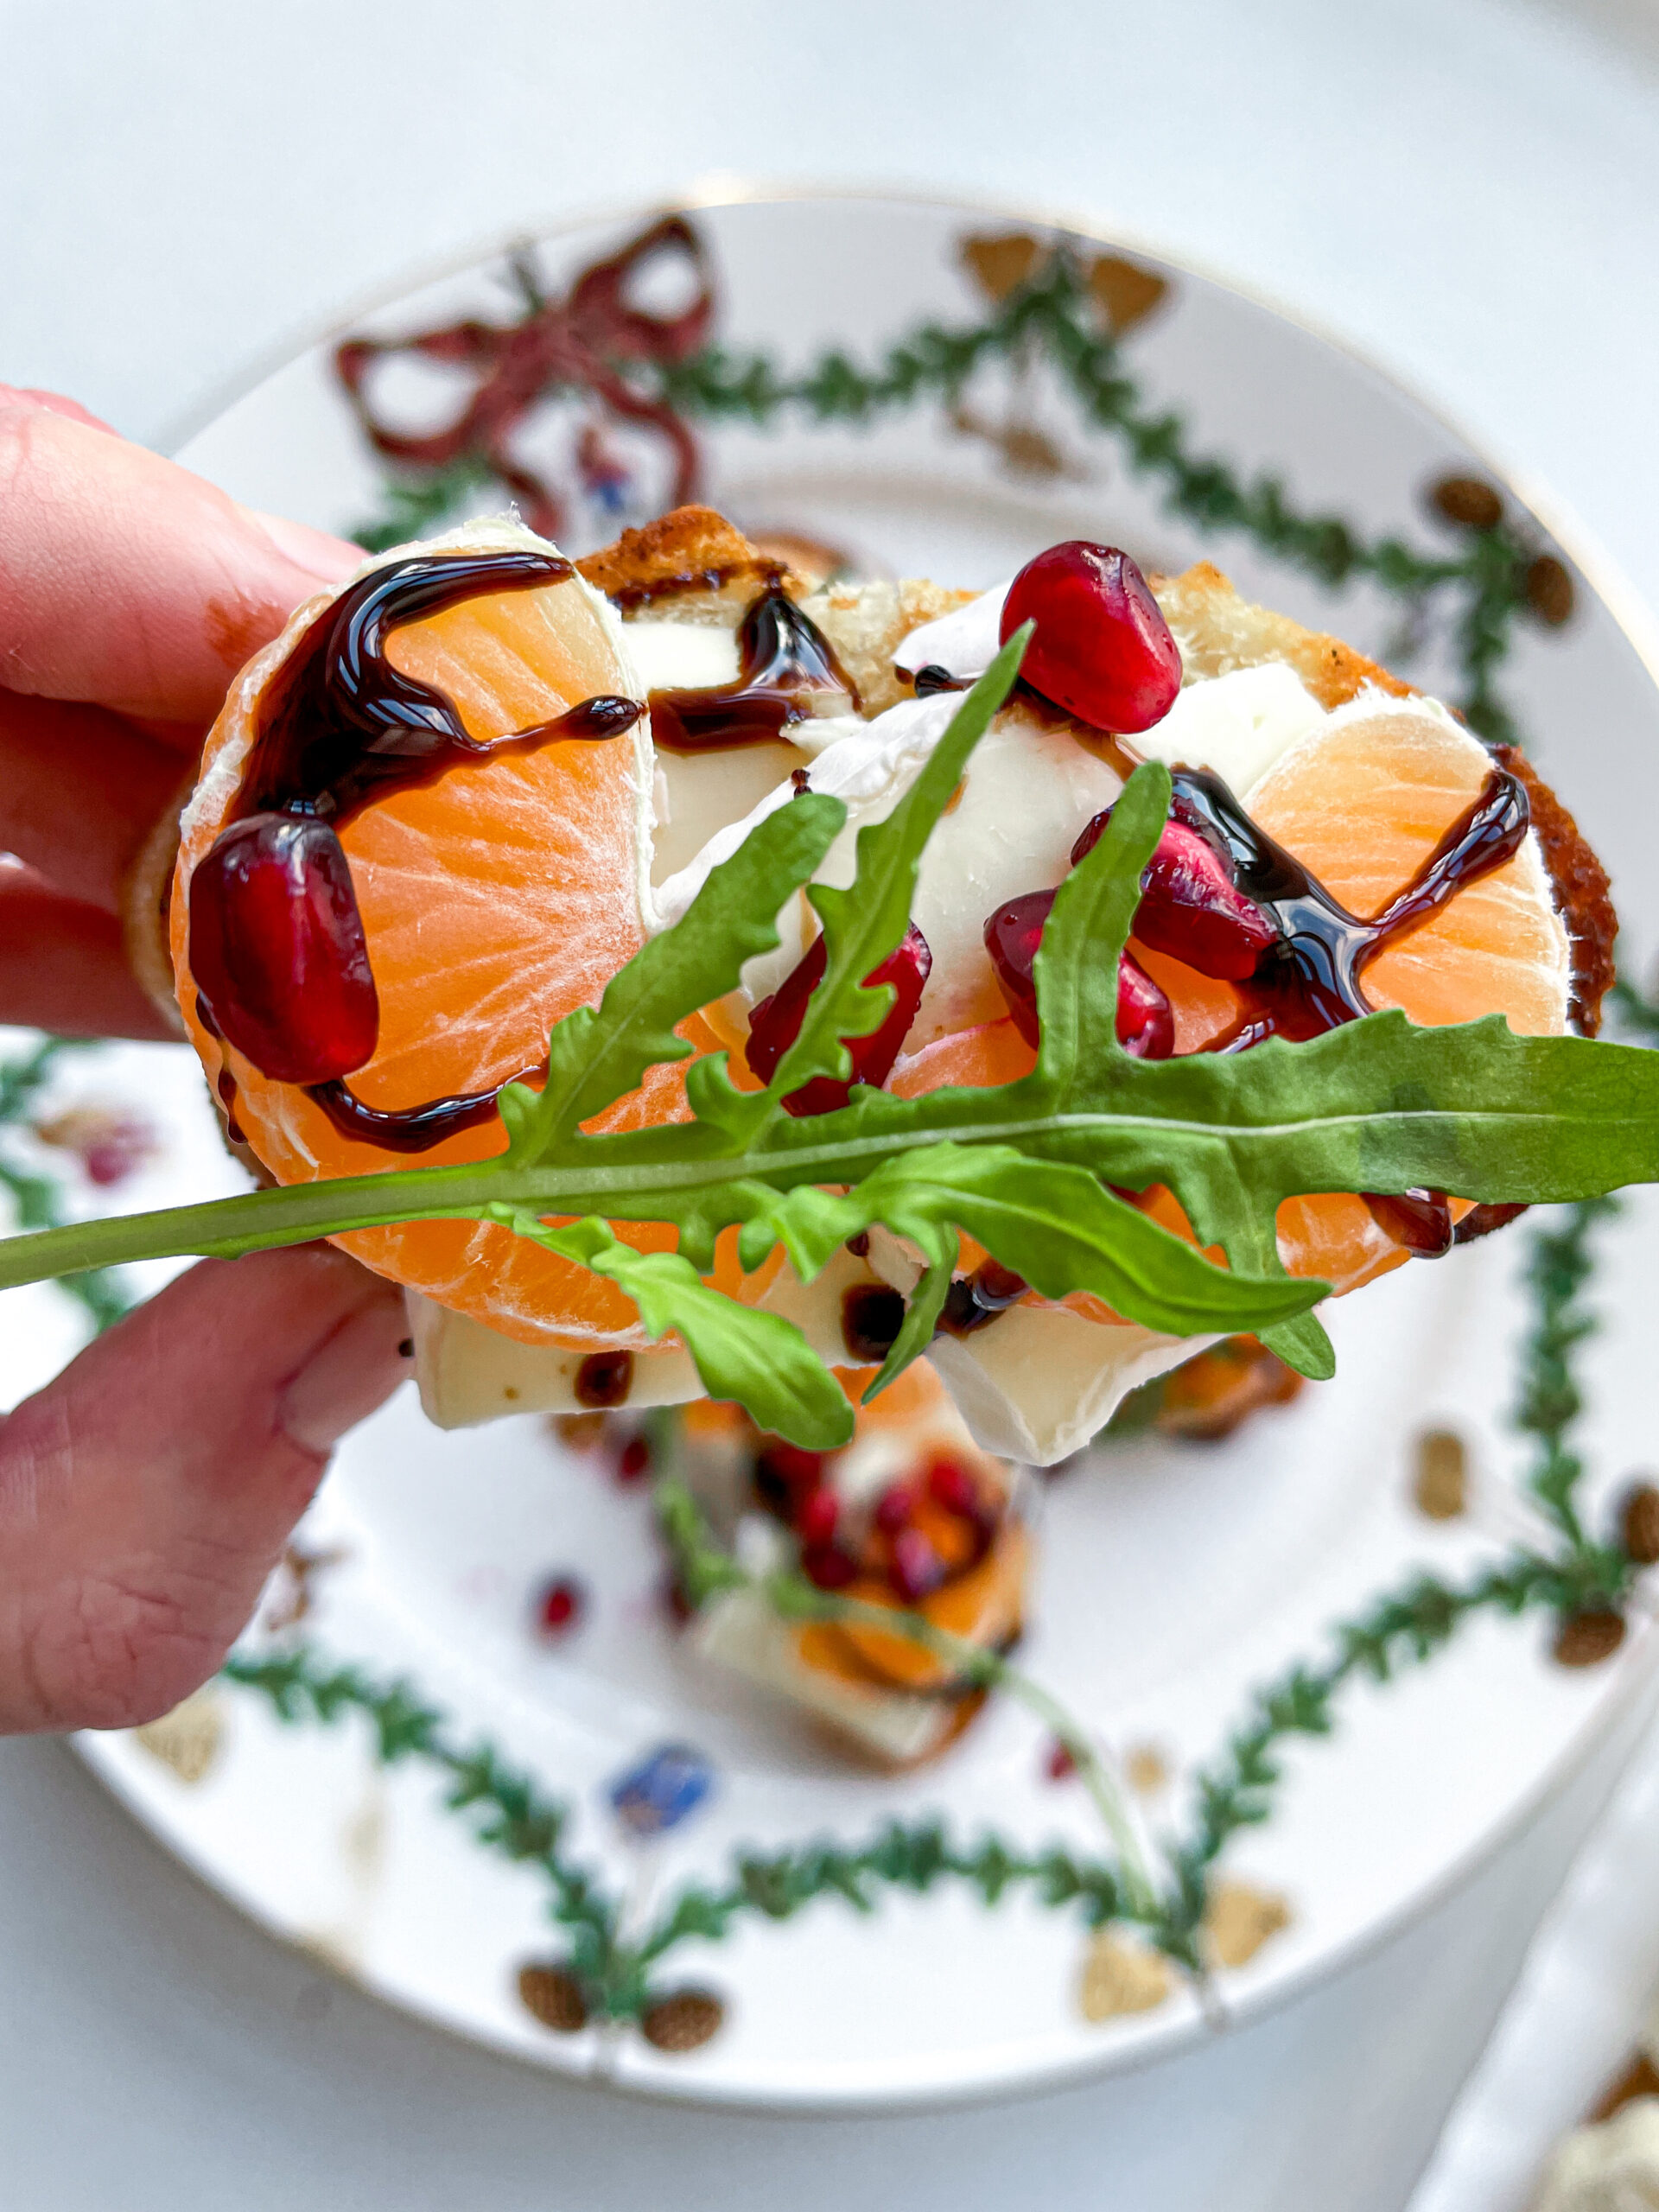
[1172, 1579]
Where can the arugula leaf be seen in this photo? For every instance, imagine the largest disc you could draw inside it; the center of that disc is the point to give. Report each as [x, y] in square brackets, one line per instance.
[862, 924]
[1377, 1105]
[598, 1054]
[758, 1358]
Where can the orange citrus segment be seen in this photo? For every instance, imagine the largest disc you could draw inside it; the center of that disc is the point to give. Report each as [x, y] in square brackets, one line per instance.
[1363, 805]
[495, 899]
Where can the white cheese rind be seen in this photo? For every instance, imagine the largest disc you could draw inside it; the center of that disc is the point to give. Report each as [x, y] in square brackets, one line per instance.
[1237, 725]
[966, 641]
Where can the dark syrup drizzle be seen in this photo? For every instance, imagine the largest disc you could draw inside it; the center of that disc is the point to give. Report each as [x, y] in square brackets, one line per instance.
[342, 726]
[934, 678]
[605, 1378]
[783, 659]
[1308, 982]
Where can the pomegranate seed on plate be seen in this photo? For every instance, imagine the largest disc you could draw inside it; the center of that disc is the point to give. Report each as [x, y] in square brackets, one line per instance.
[1061, 1764]
[635, 1459]
[776, 1022]
[1145, 1026]
[895, 1507]
[1102, 649]
[1146, 1020]
[951, 1485]
[793, 1467]
[559, 1606]
[827, 1566]
[818, 1516]
[277, 950]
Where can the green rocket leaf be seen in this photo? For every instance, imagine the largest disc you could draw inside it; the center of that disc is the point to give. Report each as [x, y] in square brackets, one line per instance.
[863, 924]
[1028, 1168]
[598, 1054]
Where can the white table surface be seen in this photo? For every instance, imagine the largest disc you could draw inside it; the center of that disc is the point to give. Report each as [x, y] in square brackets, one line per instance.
[1469, 190]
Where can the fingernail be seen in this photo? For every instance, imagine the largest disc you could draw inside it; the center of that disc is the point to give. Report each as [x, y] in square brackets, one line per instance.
[355, 1368]
[326, 558]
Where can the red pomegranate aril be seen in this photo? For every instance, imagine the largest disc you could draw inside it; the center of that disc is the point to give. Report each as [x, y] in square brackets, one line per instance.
[951, 1485]
[827, 1566]
[278, 950]
[1145, 1026]
[1421, 1220]
[1101, 648]
[1061, 1763]
[819, 1513]
[895, 1506]
[634, 1460]
[1190, 907]
[916, 1569]
[1146, 1020]
[792, 1465]
[559, 1606]
[1013, 934]
[776, 1023]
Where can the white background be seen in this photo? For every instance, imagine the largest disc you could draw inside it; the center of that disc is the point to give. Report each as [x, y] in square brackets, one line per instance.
[1466, 189]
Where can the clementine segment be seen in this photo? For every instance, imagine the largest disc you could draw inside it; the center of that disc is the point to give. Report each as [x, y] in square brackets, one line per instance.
[495, 899]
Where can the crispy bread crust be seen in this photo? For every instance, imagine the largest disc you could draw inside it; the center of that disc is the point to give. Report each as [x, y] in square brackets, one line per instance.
[1582, 892]
[1217, 632]
[692, 550]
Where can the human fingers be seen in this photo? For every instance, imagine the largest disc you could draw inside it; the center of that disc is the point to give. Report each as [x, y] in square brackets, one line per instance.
[63, 965]
[128, 581]
[79, 789]
[147, 1493]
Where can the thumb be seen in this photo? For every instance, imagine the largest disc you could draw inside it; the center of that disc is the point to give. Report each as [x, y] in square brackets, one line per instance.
[127, 581]
[147, 1493]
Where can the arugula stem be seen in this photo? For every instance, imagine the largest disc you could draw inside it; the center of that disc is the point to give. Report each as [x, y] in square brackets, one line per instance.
[615, 1187]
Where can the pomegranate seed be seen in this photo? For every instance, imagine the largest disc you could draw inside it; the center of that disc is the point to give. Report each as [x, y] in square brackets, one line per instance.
[559, 1607]
[1146, 1022]
[1190, 907]
[1146, 1026]
[895, 1507]
[1421, 1220]
[791, 1465]
[277, 950]
[1102, 650]
[818, 1518]
[109, 1143]
[1059, 1765]
[827, 1566]
[917, 1570]
[635, 1459]
[1013, 934]
[951, 1485]
[776, 1022]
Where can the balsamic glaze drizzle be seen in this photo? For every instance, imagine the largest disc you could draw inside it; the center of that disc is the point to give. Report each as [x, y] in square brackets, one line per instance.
[1309, 981]
[343, 725]
[412, 1128]
[783, 659]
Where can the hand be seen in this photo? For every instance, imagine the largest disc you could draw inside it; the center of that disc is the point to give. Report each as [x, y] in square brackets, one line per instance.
[146, 1494]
